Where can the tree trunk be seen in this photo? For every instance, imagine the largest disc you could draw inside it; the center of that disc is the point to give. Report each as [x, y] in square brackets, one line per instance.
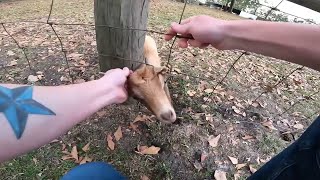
[311, 4]
[119, 47]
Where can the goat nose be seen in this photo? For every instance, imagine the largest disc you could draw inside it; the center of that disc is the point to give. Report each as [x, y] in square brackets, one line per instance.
[169, 115]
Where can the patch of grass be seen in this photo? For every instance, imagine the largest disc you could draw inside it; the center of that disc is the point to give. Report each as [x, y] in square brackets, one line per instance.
[162, 171]
[269, 144]
[29, 170]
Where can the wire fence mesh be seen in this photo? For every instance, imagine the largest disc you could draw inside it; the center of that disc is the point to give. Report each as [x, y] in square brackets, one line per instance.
[72, 70]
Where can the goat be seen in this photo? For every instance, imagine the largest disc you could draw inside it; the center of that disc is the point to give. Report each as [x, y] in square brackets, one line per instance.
[147, 84]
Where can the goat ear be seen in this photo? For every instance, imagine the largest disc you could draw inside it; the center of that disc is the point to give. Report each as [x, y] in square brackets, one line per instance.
[161, 70]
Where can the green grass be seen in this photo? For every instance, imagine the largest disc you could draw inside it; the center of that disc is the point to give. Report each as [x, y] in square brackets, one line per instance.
[178, 142]
[270, 144]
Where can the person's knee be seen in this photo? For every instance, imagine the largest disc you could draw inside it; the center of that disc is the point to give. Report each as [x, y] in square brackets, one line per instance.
[93, 170]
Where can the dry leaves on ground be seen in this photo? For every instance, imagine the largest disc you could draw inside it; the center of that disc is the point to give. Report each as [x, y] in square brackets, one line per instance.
[298, 126]
[233, 160]
[86, 147]
[252, 169]
[213, 141]
[268, 124]
[152, 150]
[240, 166]
[118, 134]
[110, 142]
[101, 113]
[220, 175]
[32, 78]
[142, 118]
[144, 177]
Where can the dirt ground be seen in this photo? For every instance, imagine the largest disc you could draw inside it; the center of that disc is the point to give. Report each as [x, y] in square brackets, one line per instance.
[238, 129]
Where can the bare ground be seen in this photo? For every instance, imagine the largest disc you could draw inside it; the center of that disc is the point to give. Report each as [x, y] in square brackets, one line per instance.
[227, 112]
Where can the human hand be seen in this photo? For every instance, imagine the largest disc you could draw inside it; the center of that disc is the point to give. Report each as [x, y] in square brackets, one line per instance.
[116, 80]
[205, 30]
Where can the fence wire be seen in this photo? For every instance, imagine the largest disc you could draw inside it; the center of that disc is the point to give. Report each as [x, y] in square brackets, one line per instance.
[52, 25]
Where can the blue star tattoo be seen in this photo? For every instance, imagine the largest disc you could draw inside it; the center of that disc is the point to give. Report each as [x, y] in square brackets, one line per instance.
[16, 104]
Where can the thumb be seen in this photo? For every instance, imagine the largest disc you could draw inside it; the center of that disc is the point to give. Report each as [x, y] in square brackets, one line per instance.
[181, 28]
[126, 71]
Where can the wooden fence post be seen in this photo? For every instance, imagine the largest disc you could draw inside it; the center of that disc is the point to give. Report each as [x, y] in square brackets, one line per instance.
[117, 46]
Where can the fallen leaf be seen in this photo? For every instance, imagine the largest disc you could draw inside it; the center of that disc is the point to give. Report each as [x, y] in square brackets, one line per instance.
[236, 176]
[258, 160]
[85, 160]
[141, 118]
[74, 56]
[240, 166]
[13, 63]
[118, 134]
[142, 148]
[268, 124]
[209, 118]
[236, 110]
[255, 104]
[82, 62]
[40, 77]
[263, 160]
[134, 127]
[74, 153]
[54, 141]
[203, 157]
[230, 97]
[144, 177]
[86, 147]
[110, 142]
[63, 147]
[32, 78]
[66, 157]
[78, 81]
[35, 160]
[252, 169]
[298, 126]
[208, 91]
[50, 52]
[191, 93]
[233, 160]
[148, 150]
[213, 142]
[239, 105]
[10, 53]
[247, 137]
[220, 175]
[101, 113]
[65, 79]
[176, 70]
[197, 165]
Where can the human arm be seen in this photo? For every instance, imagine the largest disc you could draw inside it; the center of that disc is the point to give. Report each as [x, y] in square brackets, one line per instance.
[62, 108]
[296, 43]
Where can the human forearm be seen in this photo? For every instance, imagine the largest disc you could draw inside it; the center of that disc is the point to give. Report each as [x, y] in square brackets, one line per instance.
[296, 43]
[70, 104]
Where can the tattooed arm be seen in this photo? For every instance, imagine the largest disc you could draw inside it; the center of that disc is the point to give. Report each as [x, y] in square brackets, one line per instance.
[33, 116]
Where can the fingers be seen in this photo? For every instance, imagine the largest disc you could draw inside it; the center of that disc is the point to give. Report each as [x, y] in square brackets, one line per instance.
[183, 43]
[170, 34]
[181, 28]
[194, 43]
[185, 21]
[176, 28]
[126, 71]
